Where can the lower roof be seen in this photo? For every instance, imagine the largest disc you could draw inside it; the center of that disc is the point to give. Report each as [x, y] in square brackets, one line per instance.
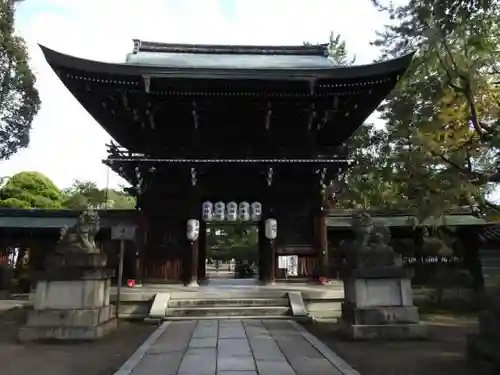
[54, 219]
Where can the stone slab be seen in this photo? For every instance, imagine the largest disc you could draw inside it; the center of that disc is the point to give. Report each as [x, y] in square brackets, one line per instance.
[235, 363]
[385, 331]
[232, 332]
[72, 294]
[297, 304]
[175, 338]
[70, 318]
[31, 333]
[233, 348]
[380, 315]
[159, 306]
[201, 361]
[276, 367]
[164, 364]
[175, 350]
[265, 349]
[203, 342]
[379, 292]
[135, 359]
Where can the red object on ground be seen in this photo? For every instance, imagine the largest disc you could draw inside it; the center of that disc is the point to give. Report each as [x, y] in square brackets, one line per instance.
[131, 283]
[323, 280]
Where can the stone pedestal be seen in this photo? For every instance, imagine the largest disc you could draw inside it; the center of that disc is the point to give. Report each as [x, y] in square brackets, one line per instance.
[484, 348]
[379, 305]
[71, 300]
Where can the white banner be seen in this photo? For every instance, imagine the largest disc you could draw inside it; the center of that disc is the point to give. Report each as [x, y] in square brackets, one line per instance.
[282, 262]
[292, 265]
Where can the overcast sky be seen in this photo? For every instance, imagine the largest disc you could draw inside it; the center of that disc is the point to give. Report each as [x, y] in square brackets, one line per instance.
[67, 144]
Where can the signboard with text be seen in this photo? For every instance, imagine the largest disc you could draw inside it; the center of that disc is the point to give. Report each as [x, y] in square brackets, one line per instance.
[123, 232]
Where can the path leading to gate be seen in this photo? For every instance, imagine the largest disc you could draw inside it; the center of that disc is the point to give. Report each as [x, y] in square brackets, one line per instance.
[234, 347]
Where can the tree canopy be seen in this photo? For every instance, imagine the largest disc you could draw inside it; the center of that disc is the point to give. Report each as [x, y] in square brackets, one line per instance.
[232, 241]
[442, 119]
[83, 194]
[34, 190]
[19, 99]
[30, 190]
[437, 144]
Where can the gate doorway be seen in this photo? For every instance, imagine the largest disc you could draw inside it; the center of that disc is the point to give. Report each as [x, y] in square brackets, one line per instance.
[231, 251]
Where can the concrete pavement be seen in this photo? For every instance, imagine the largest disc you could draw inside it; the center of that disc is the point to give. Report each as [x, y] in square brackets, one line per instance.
[234, 347]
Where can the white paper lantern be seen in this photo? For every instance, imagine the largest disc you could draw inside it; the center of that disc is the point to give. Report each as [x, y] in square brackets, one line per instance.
[207, 211]
[271, 229]
[256, 211]
[232, 211]
[219, 211]
[193, 229]
[244, 211]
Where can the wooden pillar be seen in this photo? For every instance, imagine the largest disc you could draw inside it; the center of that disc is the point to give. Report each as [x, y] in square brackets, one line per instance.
[267, 270]
[141, 244]
[194, 211]
[202, 251]
[268, 251]
[262, 250]
[321, 221]
[193, 245]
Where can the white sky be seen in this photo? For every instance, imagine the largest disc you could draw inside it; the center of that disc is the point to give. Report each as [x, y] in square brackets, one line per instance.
[67, 144]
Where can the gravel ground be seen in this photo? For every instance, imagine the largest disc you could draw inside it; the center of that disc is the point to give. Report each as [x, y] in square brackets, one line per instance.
[102, 357]
[443, 353]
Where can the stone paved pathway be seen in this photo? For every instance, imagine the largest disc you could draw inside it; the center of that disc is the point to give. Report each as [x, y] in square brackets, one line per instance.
[234, 347]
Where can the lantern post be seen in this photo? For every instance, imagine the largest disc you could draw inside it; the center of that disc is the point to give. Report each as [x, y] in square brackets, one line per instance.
[192, 234]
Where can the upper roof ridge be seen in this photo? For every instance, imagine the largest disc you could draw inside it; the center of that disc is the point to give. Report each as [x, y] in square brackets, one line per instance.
[302, 50]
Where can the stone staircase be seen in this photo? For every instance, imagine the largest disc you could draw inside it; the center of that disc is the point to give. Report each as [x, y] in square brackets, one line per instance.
[237, 308]
[228, 305]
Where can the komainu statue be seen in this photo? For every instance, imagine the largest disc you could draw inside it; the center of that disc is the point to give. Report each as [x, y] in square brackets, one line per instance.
[81, 237]
[371, 245]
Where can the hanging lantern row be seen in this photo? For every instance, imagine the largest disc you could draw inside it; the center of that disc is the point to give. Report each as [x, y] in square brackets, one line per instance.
[231, 211]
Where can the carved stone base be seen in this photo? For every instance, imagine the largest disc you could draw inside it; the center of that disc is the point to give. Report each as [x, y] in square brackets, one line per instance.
[68, 325]
[70, 310]
[379, 305]
[415, 331]
[380, 315]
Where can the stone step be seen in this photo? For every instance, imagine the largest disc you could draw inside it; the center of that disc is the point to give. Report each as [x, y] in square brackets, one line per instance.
[217, 311]
[239, 317]
[229, 294]
[228, 302]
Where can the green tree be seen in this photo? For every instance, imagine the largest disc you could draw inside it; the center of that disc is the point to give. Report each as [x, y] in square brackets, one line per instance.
[369, 182]
[30, 190]
[83, 194]
[442, 118]
[19, 100]
[238, 241]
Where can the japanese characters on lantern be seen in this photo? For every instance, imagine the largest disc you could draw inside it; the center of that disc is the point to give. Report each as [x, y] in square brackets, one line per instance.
[232, 211]
[193, 229]
[207, 211]
[244, 211]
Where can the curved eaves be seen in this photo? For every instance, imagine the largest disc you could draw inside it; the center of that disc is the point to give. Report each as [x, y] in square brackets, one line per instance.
[59, 60]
